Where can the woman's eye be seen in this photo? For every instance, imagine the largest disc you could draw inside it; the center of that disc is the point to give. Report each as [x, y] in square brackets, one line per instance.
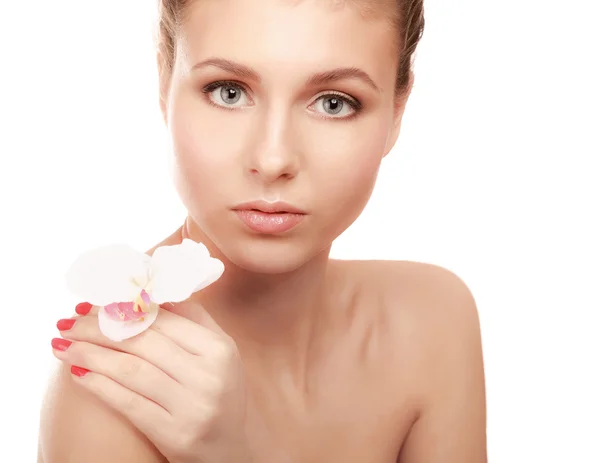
[336, 106]
[227, 95]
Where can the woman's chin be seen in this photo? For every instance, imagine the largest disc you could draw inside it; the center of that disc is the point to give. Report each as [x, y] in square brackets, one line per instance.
[271, 257]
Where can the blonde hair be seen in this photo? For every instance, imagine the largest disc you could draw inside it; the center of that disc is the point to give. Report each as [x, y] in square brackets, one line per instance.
[408, 19]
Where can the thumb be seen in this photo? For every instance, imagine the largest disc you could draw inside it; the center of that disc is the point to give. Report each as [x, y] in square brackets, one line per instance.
[196, 312]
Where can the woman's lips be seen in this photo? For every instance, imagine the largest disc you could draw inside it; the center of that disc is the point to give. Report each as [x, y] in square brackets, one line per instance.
[269, 217]
[269, 222]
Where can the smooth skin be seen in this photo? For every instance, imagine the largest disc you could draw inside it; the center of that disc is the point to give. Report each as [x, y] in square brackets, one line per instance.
[290, 356]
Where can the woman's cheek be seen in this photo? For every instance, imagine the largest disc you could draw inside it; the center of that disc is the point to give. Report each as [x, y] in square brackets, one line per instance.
[347, 184]
[202, 149]
[354, 165]
[196, 169]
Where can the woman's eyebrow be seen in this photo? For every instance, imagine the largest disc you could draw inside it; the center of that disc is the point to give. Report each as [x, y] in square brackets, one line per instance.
[321, 78]
[338, 74]
[232, 67]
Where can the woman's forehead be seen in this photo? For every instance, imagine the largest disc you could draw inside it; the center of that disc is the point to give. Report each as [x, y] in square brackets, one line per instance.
[356, 12]
[287, 32]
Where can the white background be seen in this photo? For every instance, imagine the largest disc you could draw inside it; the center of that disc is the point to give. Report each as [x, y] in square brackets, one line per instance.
[495, 176]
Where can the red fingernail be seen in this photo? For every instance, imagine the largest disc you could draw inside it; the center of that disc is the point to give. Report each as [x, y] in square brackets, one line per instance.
[78, 371]
[65, 324]
[61, 344]
[83, 308]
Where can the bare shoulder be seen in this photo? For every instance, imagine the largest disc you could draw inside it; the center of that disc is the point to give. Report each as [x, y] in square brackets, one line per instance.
[423, 308]
[432, 333]
[76, 427]
[435, 293]
[417, 290]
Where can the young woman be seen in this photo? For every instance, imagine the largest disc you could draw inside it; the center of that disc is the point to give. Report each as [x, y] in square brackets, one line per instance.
[280, 113]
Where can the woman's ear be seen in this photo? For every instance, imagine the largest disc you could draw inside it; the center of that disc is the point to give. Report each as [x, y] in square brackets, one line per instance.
[399, 106]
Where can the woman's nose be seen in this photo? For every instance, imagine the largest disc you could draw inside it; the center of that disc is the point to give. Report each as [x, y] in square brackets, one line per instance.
[274, 155]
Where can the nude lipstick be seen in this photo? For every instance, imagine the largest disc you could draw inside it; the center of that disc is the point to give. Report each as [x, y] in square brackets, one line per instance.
[269, 218]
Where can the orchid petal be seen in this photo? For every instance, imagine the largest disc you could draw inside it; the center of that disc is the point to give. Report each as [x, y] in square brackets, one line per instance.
[119, 330]
[178, 271]
[108, 274]
[213, 269]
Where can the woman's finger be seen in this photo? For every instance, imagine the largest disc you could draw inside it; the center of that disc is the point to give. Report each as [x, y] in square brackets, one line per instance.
[201, 316]
[151, 346]
[132, 372]
[189, 335]
[143, 413]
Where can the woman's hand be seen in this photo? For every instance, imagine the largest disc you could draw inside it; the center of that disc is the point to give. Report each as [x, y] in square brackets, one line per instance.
[180, 383]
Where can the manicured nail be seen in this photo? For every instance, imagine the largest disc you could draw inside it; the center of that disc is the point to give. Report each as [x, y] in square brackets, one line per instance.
[83, 308]
[78, 371]
[65, 324]
[61, 344]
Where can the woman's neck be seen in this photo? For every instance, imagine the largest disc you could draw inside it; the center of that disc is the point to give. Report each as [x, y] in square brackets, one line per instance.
[276, 319]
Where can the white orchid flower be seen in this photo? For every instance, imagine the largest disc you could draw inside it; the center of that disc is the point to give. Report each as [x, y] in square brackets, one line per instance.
[129, 285]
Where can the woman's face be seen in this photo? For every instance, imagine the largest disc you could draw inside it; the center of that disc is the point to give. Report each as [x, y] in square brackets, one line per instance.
[280, 101]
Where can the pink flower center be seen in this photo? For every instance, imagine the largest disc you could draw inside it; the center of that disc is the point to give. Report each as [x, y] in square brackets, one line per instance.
[129, 311]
